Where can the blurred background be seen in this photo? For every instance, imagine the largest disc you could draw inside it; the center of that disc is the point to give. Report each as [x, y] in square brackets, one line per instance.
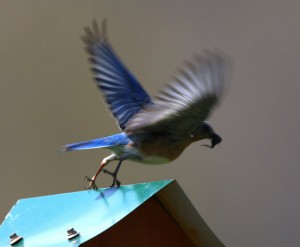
[247, 189]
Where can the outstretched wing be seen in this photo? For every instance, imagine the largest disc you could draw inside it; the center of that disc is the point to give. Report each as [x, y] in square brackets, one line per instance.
[122, 92]
[188, 99]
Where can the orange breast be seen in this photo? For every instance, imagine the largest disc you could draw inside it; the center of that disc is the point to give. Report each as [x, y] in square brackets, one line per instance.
[163, 148]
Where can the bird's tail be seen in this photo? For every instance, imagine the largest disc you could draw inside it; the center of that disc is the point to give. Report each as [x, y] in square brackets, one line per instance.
[114, 140]
[97, 143]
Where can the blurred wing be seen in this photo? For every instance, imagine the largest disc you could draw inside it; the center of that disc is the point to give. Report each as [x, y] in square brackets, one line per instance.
[188, 99]
[122, 92]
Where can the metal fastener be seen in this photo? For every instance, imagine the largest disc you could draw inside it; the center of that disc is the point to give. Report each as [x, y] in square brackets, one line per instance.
[14, 239]
[72, 233]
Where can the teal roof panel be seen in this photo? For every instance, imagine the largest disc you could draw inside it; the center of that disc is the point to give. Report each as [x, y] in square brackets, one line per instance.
[44, 221]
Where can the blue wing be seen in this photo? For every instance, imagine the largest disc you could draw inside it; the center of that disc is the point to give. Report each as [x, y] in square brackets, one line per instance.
[114, 140]
[122, 92]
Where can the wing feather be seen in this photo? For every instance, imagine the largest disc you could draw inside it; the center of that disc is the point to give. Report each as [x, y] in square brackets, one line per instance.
[122, 92]
[188, 99]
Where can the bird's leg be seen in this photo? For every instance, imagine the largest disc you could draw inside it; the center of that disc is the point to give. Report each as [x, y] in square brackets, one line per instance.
[104, 163]
[115, 173]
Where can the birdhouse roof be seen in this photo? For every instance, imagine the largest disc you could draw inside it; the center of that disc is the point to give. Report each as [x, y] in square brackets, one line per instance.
[44, 221]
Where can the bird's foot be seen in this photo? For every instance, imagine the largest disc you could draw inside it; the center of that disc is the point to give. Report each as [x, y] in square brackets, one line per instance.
[92, 183]
[115, 180]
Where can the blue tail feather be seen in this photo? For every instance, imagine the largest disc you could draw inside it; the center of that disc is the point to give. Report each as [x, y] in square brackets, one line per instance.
[109, 141]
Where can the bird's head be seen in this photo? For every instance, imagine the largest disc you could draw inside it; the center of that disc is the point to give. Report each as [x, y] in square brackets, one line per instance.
[205, 131]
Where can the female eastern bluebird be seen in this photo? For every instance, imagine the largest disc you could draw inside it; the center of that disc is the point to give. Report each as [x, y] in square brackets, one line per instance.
[154, 131]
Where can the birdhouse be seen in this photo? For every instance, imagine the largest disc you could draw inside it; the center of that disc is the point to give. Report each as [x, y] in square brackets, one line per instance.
[147, 214]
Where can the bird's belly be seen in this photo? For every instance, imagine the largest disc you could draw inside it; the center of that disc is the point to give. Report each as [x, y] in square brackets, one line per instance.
[150, 160]
[152, 153]
[160, 152]
[136, 155]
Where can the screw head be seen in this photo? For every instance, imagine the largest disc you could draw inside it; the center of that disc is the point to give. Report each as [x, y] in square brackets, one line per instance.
[72, 233]
[14, 239]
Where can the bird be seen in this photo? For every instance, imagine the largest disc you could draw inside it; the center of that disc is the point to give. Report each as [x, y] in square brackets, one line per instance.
[153, 130]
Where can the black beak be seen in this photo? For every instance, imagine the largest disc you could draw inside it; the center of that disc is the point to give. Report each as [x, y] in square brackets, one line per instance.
[215, 139]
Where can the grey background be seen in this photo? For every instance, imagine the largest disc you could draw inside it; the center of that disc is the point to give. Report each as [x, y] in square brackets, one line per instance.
[247, 189]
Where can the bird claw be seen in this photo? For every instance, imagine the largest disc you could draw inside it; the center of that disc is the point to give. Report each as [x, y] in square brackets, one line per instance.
[92, 184]
[115, 180]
